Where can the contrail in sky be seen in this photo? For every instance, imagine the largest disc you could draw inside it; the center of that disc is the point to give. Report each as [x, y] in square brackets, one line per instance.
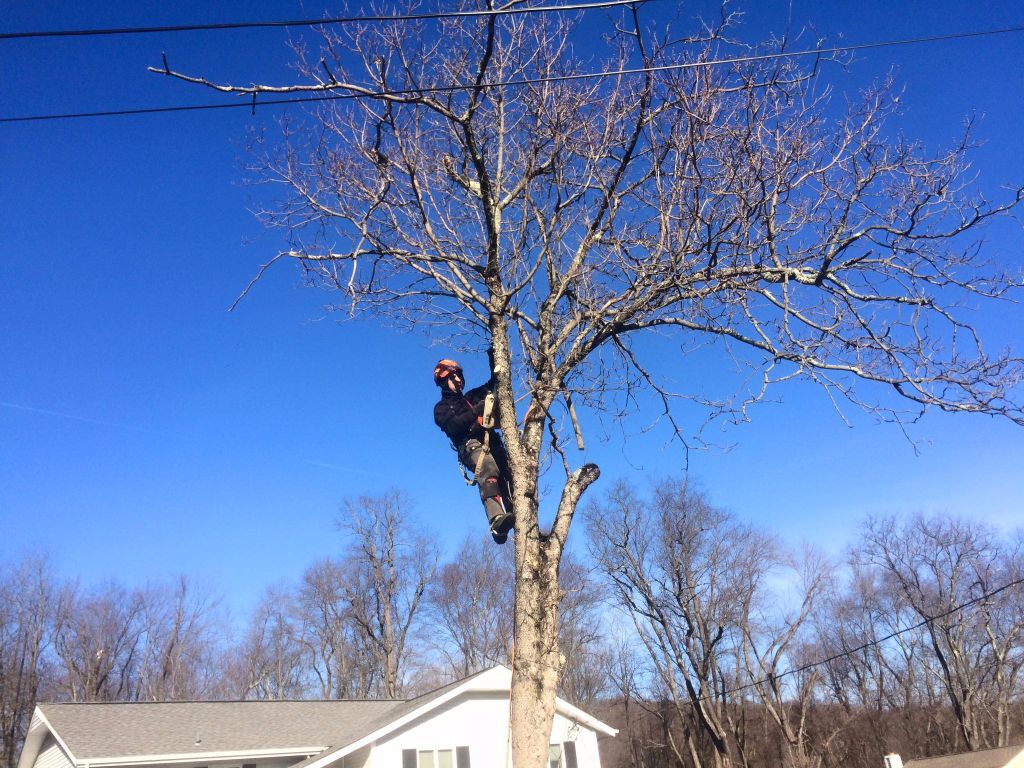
[86, 419]
[105, 423]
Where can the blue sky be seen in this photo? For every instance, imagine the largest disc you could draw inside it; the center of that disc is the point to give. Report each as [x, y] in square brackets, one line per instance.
[146, 431]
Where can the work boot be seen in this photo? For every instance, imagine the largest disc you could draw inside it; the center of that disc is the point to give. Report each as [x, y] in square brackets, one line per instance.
[499, 520]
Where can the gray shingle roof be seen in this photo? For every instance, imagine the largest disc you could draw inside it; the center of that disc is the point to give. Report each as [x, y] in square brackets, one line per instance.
[93, 731]
[986, 758]
[96, 730]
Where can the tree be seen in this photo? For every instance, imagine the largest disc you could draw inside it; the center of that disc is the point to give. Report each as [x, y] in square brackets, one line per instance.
[29, 616]
[384, 576]
[338, 649]
[691, 579]
[468, 604]
[269, 663]
[932, 565]
[555, 220]
[99, 643]
[582, 635]
[772, 645]
[179, 654]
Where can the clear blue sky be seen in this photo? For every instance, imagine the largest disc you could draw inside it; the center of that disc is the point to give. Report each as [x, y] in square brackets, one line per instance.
[145, 431]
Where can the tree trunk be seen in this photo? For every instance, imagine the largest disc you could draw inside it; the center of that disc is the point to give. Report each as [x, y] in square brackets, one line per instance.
[536, 661]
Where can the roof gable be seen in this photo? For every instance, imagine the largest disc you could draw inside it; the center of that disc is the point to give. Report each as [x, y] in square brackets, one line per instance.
[498, 679]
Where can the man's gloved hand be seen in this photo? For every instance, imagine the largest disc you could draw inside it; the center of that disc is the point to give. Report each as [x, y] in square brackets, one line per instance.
[478, 409]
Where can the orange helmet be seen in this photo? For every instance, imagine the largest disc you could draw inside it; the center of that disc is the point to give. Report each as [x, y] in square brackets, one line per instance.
[444, 369]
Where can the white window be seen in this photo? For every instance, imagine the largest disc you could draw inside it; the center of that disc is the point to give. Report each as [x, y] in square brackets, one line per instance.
[435, 758]
[562, 755]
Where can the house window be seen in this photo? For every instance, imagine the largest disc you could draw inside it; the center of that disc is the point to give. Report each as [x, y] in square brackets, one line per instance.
[435, 758]
[570, 754]
[562, 755]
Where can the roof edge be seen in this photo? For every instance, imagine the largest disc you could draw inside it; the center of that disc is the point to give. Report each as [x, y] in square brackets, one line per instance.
[577, 714]
[178, 757]
[36, 736]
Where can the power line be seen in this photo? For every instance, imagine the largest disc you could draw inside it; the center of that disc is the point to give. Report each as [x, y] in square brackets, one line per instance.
[315, 22]
[870, 643]
[508, 83]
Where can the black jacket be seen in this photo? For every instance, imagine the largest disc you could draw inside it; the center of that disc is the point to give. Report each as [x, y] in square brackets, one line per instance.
[456, 415]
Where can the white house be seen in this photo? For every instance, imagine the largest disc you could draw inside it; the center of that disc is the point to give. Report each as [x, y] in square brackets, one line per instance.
[462, 725]
[1000, 757]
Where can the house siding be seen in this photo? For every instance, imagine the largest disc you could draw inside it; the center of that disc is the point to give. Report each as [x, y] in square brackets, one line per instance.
[478, 721]
[52, 756]
[358, 759]
[564, 730]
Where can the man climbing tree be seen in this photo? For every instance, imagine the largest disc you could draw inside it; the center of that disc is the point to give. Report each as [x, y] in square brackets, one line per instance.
[474, 176]
[468, 421]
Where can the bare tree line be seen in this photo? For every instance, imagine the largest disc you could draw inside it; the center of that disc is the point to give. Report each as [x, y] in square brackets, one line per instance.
[732, 625]
[716, 611]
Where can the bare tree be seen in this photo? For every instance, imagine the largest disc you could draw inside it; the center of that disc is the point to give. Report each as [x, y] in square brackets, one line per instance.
[29, 616]
[338, 649]
[269, 663]
[690, 578]
[469, 607]
[626, 707]
[582, 635]
[1002, 621]
[878, 675]
[99, 643]
[468, 179]
[180, 648]
[773, 644]
[933, 565]
[385, 574]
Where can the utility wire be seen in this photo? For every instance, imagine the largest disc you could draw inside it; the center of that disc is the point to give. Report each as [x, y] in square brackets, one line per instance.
[316, 22]
[507, 83]
[869, 643]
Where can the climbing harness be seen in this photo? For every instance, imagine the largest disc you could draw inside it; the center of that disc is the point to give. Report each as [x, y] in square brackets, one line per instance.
[487, 422]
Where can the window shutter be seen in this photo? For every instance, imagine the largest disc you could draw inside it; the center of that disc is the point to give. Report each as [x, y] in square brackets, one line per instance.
[570, 754]
[408, 758]
[462, 757]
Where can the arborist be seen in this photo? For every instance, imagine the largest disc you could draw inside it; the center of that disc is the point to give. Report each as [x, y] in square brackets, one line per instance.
[468, 419]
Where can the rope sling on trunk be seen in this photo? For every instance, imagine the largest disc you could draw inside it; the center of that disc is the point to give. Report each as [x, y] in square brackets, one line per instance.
[487, 422]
